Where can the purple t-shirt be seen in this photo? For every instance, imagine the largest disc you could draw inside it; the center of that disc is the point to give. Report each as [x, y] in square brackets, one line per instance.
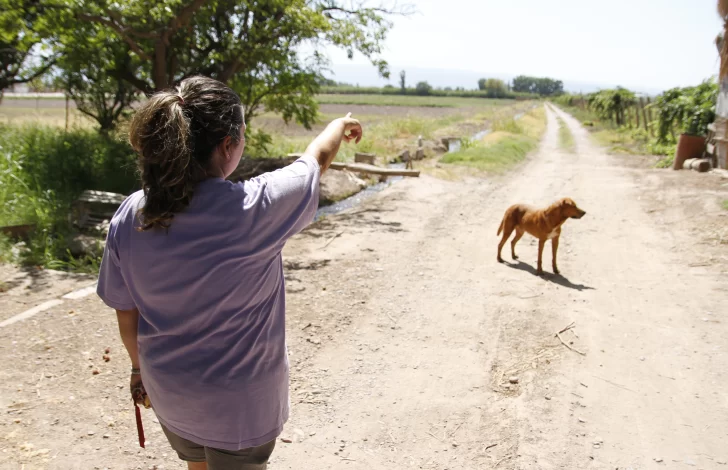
[211, 298]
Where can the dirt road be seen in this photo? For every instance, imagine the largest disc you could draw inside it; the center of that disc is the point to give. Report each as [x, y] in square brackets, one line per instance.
[405, 336]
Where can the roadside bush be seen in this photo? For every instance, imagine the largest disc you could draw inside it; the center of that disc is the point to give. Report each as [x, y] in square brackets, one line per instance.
[68, 163]
[509, 143]
[687, 110]
[43, 170]
[609, 114]
[423, 88]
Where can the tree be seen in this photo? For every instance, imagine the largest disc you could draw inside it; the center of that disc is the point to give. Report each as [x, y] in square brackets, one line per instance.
[403, 82]
[22, 56]
[423, 88]
[91, 64]
[541, 86]
[494, 87]
[251, 45]
[612, 104]
[686, 110]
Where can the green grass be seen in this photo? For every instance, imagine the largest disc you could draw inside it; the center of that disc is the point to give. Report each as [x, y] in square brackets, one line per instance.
[622, 140]
[508, 145]
[42, 171]
[30, 97]
[725, 204]
[387, 135]
[494, 157]
[414, 101]
[566, 139]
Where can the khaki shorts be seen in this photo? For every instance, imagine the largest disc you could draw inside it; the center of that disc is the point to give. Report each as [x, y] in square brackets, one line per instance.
[253, 458]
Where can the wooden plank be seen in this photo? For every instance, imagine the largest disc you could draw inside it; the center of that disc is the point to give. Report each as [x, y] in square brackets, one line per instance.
[361, 157]
[373, 170]
[102, 197]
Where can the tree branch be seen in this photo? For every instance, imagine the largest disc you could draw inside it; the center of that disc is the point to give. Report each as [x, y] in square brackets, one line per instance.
[35, 74]
[122, 33]
[137, 82]
[184, 16]
[404, 10]
[229, 70]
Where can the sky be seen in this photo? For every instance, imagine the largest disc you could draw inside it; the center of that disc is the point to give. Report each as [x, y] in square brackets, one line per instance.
[644, 45]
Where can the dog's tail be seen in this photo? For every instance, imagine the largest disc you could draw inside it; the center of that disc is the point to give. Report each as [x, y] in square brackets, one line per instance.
[500, 229]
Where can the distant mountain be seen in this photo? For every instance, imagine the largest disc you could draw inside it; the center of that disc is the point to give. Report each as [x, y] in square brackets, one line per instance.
[364, 75]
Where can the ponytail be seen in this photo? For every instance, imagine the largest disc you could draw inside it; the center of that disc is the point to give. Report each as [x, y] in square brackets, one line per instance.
[175, 133]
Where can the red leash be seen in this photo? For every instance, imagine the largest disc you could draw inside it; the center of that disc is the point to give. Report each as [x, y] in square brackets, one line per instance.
[140, 428]
[140, 396]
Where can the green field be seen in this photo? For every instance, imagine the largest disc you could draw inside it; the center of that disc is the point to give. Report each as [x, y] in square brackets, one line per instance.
[508, 144]
[416, 101]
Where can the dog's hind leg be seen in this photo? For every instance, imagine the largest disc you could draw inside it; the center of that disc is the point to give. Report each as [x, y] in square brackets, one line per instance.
[519, 234]
[554, 249]
[541, 244]
[507, 230]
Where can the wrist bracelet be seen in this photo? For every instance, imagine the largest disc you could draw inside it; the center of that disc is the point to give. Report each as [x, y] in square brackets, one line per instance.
[135, 371]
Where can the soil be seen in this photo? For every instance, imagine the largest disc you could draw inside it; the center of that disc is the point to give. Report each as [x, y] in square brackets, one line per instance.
[411, 347]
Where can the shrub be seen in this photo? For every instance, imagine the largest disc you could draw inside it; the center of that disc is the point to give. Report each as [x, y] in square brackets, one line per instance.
[423, 88]
[685, 110]
[43, 170]
[68, 163]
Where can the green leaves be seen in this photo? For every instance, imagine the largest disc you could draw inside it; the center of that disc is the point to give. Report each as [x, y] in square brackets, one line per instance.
[540, 86]
[612, 104]
[23, 54]
[111, 49]
[251, 45]
[497, 88]
[685, 110]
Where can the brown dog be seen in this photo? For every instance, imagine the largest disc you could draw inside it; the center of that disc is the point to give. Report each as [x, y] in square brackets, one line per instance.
[543, 224]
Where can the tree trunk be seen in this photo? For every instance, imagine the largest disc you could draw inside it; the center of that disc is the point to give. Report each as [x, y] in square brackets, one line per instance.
[159, 67]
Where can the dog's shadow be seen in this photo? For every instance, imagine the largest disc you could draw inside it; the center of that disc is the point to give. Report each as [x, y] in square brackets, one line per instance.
[555, 278]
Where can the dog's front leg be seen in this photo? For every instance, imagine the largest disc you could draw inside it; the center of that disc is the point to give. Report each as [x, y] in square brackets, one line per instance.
[541, 244]
[554, 249]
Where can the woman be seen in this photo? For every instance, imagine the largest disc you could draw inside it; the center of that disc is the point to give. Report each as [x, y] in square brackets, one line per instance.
[193, 268]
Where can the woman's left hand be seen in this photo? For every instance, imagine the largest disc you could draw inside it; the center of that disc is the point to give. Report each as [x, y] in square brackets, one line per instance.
[138, 393]
[135, 384]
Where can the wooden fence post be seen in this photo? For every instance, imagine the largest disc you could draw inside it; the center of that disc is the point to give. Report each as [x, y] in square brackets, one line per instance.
[644, 113]
[68, 99]
[649, 115]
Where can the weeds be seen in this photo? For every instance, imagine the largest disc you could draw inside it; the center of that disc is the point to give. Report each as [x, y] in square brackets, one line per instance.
[42, 171]
[566, 139]
[508, 144]
[494, 157]
[624, 139]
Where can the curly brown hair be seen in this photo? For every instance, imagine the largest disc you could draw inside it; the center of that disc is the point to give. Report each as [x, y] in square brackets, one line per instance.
[175, 133]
